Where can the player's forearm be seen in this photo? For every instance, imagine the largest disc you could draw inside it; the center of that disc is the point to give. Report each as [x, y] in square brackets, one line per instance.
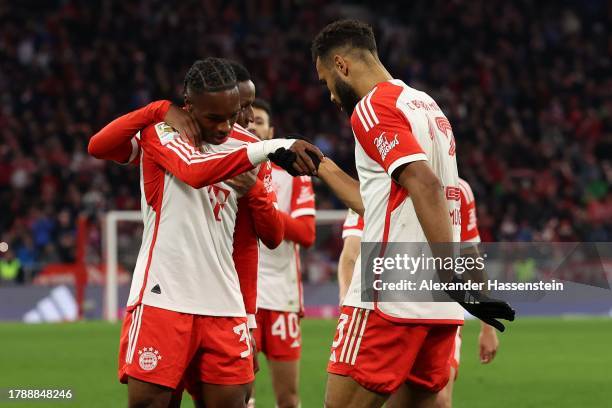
[344, 186]
[475, 274]
[203, 169]
[345, 273]
[114, 141]
[268, 221]
[300, 230]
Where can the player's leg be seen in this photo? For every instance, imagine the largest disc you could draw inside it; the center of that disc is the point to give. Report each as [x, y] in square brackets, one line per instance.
[224, 396]
[225, 364]
[342, 391]
[282, 345]
[432, 369]
[257, 335]
[176, 399]
[370, 358]
[444, 399]
[148, 355]
[285, 380]
[142, 394]
[404, 397]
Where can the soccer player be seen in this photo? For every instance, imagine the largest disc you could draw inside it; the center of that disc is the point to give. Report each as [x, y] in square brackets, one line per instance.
[405, 157]
[352, 230]
[279, 293]
[252, 223]
[185, 306]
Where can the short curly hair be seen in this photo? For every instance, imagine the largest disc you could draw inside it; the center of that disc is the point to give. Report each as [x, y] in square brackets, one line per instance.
[352, 33]
[242, 74]
[210, 75]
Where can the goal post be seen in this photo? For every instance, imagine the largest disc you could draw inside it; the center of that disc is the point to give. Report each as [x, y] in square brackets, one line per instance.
[111, 249]
[110, 244]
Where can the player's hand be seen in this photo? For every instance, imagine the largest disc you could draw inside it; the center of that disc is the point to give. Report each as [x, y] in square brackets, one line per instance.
[487, 344]
[242, 183]
[302, 158]
[483, 307]
[187, 126]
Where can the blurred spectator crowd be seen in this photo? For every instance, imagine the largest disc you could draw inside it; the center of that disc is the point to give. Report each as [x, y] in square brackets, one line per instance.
[527, 86]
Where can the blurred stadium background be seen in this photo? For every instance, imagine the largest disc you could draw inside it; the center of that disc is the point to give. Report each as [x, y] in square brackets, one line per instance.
[526, 84]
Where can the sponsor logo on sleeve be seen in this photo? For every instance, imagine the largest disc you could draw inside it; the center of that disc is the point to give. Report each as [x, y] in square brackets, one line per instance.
[165, 133]
[385, 145]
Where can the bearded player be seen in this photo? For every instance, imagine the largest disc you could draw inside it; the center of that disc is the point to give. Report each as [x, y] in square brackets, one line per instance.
[195, 317]
[405, 157]
[279, 293]
[352, 231]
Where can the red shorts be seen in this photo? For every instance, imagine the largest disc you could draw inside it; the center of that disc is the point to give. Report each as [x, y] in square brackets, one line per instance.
[157, 346]
[278, 335]
[382, 355]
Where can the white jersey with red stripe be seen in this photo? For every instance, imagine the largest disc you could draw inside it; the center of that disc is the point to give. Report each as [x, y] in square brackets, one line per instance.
[394, 125]
[469, 222]
[185, 261]
[353, 225]
[279, 286]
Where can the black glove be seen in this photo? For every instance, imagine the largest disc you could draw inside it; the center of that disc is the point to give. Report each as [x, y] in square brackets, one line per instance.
[482, 306]
[285, 159]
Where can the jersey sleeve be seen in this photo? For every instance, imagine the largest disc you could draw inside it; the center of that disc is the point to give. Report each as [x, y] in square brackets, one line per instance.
[301, 230]
[246, 256]
[384, 132]
[190, 166]
[117, 140]
[469, 223]
[353, 225]
[268, 222]
[302, 197]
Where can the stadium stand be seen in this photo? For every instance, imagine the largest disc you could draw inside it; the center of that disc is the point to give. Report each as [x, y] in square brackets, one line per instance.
[527, 86]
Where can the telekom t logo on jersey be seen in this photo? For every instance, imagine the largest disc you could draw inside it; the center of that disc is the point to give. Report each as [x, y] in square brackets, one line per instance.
[218, 197]
[384, 146]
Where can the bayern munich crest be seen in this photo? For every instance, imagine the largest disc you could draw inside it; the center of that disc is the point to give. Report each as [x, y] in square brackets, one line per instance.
[148, 358]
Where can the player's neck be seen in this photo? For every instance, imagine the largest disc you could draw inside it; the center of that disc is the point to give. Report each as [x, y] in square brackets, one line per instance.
[374, 75]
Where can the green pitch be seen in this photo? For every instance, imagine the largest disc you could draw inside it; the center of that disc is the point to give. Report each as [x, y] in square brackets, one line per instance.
[540, 363]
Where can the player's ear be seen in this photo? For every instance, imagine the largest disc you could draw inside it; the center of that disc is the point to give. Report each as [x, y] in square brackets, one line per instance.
[341, 64]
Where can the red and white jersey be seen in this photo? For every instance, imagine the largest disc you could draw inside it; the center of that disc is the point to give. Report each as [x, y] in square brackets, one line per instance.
[353, 225]
[393, 125]
[469, 223]
[279, 286]
[185, 260]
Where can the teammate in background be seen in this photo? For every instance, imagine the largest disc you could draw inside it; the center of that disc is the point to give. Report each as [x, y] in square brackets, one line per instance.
[279, 293]
[404, 143]
[195, 318]
[352, 231]
[246, 88]
[252, 223]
